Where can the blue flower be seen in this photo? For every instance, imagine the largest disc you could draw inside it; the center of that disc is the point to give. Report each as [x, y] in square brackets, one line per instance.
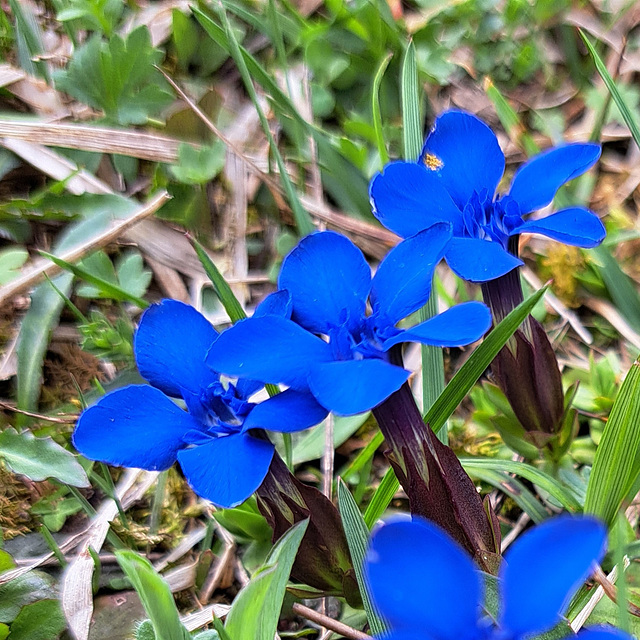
[330, 282]
[428, 588]
[455, 180]
[140, 426]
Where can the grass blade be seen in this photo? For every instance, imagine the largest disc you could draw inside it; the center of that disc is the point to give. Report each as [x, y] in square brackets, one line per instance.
[616, 465]
[515, 489]
[112, 290]
[375, 109]
[613, 89]
[358, 539]
[301, 216]
[432, 363]
[479, 360]
[229, 301]
[381, 498]
[556, 490]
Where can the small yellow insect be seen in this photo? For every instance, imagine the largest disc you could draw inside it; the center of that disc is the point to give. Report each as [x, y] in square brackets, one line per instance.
[432, 162]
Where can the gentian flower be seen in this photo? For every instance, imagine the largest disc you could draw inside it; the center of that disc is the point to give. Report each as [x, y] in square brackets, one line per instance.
[428, 588]
[330, 282]
[140, 426]
[455, 181]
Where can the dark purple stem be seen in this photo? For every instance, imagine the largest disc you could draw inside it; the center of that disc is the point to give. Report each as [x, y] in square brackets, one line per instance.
[437, 486]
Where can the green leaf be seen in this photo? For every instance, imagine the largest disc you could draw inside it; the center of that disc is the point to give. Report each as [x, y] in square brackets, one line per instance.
[11, 259]
[197, 166]
[4, 631]
[98, 213]
[144, 631]
[375, 109]
[118, 77]
[463, 381]
[256, 609]
[244, 521]
[381, 498]
[628, 116]
[510, 119]
[616, 465]
[28, 39]
[93, 15]
[358, 540]
[107, 289]
[301, 216]
[155, 595]
[412, 129]
[132, 275]
[432, 362]
[40, 458]
[620, 287]
[515, 489]
[564, 495]
[6, 561]
[23, 590]
[223, 290]
[42, 620]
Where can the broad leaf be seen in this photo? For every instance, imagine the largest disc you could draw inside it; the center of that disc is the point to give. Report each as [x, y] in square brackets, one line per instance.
[155, 595]
[256, 609]
[40, 458]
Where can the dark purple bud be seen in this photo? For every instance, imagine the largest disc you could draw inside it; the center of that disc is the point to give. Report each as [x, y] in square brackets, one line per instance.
[526, 369]
[323, 561]
[437, 486]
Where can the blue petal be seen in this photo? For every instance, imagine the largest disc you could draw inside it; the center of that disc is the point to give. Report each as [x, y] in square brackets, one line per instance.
[535, 183]
[465, 155]
[551, 561]
[407, 198]
[286, 412]
[277, 303]
[463, 324]
[246, 388]
[348, 387]
[402, 283]
[422, 581]
[136, 426]
[170, 346]
[603, 632]
[227, 470]
[269, 349]
[328, 279]
[478, 260]
[576, 226]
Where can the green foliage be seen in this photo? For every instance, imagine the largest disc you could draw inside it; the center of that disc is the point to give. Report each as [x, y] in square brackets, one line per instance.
[155, 595]
[357, 534]
[11, 259]
[93, 15]
[42, 620]
[22, 591]
[117, 77]
[40, 458]
[106, 339]
[256, 609]
[197, 166]
[129, 275]
[616, 466]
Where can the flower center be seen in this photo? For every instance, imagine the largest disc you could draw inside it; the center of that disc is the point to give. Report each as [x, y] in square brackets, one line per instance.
[220, 409]
[488, 219]
[359, 343]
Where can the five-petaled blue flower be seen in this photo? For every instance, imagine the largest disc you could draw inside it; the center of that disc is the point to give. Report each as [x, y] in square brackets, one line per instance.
[140, 426]
[330, 282]
[455, 180]
[428, 588]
